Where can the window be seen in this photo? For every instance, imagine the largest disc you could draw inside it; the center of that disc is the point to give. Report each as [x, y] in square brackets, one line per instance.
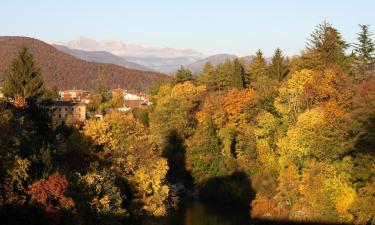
[59, 115]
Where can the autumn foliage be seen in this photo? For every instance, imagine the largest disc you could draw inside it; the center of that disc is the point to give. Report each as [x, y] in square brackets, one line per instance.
[50, 193]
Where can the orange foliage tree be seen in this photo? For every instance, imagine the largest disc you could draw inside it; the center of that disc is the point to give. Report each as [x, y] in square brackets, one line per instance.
[50, 193]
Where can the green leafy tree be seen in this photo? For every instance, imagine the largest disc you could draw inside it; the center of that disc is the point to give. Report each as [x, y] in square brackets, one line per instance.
[279, 67]
[23, 82]
[104, 92]
[183, 75]
[365, 53]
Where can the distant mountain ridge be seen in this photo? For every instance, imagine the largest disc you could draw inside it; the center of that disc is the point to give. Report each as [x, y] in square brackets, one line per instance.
[101, 57]
[65, 71]
[215, 60]
[160, 58]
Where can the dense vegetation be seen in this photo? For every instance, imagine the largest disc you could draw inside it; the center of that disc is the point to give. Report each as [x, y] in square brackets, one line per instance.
[293, 138]
[67, 72]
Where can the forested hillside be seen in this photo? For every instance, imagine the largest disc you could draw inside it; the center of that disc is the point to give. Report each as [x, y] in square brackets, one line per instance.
[64, 71]
[299, 132]
[293, 139]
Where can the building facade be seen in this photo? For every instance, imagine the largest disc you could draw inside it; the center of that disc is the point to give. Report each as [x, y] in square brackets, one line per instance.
[67, 112]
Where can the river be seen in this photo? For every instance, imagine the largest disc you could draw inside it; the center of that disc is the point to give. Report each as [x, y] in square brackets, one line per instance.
[203, 213]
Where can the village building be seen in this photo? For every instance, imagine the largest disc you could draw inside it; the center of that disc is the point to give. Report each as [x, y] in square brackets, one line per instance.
[135, 99]
[1, 93]
[67, 112]
[74, 95]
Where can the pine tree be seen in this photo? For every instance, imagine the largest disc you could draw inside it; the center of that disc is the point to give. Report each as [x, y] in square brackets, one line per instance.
[365, 53]
[207, 76]
[326, 48]
[257, 70]
[224, 75]
[183, 75]
[238, 75]
[23, 82]
[279, 67]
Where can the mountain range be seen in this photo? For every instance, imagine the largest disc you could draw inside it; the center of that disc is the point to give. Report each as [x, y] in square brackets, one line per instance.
[214, 60]
[142, 57]
[65, 71]
[102, 57]
[158, 58]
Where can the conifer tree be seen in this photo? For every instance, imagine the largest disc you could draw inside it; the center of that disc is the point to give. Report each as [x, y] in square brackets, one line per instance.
[183, 75]
[257, 70]
[279, 65]
[238, 75]
[326, 48]
[23, 82]
[207, 76]
[365, 53]
[224, 73]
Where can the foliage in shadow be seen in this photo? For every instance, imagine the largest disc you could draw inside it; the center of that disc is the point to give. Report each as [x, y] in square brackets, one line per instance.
[175, 153]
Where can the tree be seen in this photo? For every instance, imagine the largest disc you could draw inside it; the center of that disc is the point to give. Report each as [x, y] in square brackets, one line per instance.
[238, 76]
[183, 75]
[13, 187]
[101, 195]
[23, 82]
[207, 76]
[279, 67]
[223, 73]
[123, 142]
[365, 53]
[257, 76]
[326, 48]
[104, 92]
[50, 193]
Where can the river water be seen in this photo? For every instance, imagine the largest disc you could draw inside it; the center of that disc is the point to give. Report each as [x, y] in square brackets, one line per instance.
[203, 213]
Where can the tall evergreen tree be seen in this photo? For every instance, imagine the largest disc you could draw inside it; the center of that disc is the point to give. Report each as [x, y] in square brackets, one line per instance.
[183, 75]
[257, 70]
[279, 67]
[23, 82]
[365, 53]
[224, 73]
[238, 75]
[326, 48]
[207, 76]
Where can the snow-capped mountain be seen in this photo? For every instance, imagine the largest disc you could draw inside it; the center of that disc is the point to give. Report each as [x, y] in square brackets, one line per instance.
[160, 58]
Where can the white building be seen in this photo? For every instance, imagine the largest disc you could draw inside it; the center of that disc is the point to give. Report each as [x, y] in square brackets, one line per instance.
[140, 97]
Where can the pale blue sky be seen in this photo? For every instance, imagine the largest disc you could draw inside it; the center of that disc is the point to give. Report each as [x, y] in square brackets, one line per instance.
[222, 26]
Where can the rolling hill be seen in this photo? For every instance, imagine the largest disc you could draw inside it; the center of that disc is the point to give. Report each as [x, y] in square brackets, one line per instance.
[101, 57]
[65, 71]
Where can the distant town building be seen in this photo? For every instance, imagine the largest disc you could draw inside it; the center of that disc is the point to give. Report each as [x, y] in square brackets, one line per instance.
[67, 112]
[1, 93]
[74, 95]
[135, 99]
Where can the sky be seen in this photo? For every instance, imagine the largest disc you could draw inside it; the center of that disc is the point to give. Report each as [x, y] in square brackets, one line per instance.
[238, 27]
